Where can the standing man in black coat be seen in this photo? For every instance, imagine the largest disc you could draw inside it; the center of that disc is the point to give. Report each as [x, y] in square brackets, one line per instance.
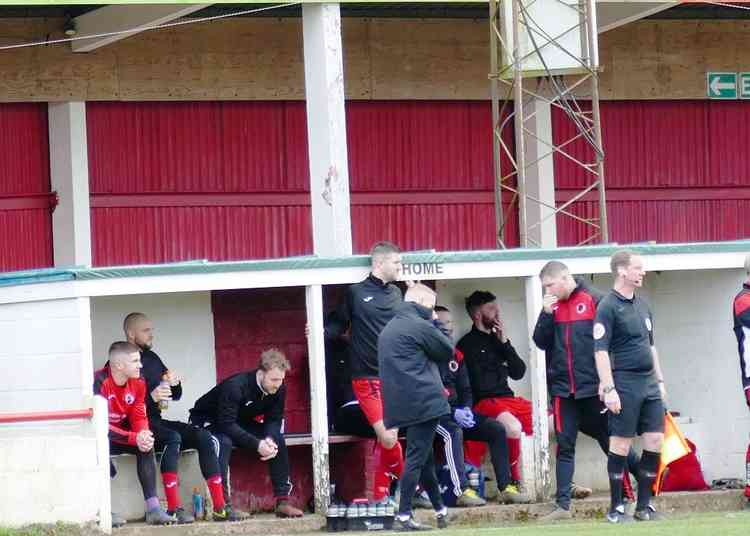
[409, 350]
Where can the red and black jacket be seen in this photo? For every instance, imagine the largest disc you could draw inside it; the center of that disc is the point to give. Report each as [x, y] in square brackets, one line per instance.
[741, 310]
[567, 338]
[126, 406]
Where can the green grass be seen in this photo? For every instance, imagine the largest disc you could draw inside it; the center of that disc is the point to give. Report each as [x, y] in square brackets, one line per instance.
[713, 524]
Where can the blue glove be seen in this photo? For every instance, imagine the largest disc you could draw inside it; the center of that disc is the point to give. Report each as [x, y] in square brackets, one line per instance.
[464, 417]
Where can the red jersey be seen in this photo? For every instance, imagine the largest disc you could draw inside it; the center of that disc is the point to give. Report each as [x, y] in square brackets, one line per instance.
[126, 405]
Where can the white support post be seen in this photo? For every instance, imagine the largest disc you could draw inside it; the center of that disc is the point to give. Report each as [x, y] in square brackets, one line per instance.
[318, 399]
[100, 422]
[540, 174]
[541, 469]
[69, 173]
[326, 130]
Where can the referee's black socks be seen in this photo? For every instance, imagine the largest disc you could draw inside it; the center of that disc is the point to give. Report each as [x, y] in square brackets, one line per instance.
[615, 468]
[646, 476]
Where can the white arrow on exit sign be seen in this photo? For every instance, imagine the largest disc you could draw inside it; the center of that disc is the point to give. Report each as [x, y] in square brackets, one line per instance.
[722, 85]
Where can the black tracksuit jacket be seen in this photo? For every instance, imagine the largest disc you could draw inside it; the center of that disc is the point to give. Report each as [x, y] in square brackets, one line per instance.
[567, 338]
[239, 399]
[490, 363]
[368, 306]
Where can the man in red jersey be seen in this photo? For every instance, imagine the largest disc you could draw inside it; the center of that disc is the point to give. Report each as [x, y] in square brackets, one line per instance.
[120, 383]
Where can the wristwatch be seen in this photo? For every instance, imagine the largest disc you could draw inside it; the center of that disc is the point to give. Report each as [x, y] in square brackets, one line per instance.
[608, 389]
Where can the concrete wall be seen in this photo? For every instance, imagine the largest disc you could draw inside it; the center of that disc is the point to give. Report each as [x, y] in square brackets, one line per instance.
[183, 337]
[693, 329]
[58, 469]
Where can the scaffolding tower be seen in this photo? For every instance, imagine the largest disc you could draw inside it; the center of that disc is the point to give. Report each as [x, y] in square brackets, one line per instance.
[553, 58]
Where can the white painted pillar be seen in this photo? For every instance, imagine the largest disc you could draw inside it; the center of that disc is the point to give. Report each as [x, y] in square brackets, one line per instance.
[318, 399]
[326, 130]
[540, 176]
[69, 173]
[541, 475]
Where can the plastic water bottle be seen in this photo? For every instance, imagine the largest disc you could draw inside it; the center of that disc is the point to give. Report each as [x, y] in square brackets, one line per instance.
[473, 478]
[198, 507]
[164, 404]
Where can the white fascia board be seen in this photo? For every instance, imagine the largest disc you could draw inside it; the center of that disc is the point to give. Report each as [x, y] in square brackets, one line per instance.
[115, 18]
[331, 276]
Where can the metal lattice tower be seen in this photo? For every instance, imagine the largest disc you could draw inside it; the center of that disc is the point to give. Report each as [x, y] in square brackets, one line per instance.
[554, 86]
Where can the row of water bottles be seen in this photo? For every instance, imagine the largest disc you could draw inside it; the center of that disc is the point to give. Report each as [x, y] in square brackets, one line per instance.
[361, 509]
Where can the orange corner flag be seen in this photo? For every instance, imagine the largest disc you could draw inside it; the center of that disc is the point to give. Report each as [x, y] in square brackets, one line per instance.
[673, 448]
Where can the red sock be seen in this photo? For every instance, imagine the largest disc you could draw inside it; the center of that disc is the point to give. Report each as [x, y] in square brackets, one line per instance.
[216, 491]
[393, 460]
[388, 462]
[514, 453]
[627, 487]
[747, 472]
[171, 490]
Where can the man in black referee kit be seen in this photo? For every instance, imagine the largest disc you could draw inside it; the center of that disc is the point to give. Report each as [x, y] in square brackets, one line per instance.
[631, 383]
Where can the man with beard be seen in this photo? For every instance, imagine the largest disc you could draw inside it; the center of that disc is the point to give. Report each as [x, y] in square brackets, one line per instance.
[247, 410]
[171, 437]
[490, 360]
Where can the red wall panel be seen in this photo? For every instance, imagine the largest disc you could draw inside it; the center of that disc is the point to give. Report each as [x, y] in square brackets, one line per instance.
[685, 158]
[194, 151]
[25, 233]
[197, 147]
[135, 235]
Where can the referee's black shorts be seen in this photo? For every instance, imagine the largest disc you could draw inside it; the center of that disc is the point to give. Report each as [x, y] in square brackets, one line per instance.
[642, 408]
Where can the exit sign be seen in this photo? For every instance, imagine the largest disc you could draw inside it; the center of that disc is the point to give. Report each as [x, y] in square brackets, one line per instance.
[743, 85]
[728, 86]
[721, 85]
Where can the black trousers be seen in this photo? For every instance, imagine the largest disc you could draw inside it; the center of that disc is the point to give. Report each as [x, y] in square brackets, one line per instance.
[419, 466]
[278, 466]
[146, 467]
[351, 420]
[571, 416]
[485, 429]
[171, 437]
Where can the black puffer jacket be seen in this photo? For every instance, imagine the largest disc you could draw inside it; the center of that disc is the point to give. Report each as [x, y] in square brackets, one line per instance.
[567, 338]
[409, 350]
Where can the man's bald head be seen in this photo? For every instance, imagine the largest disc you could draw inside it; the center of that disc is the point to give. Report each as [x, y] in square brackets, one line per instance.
[139, 330]
[421, 294]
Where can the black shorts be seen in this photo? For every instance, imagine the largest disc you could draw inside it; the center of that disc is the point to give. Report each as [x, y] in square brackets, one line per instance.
[642, 408]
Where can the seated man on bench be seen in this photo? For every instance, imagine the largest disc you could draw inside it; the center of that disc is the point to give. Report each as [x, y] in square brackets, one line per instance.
[247, 410]
[171, 437]
[120, 383]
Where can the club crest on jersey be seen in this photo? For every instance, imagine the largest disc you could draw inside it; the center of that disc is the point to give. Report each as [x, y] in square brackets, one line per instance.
[453, 365]
[648, 323]
[580, 308]
[599, 330]
[129, 398]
